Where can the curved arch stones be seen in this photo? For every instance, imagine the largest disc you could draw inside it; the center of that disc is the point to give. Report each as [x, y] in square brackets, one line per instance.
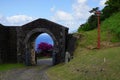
[16, 41]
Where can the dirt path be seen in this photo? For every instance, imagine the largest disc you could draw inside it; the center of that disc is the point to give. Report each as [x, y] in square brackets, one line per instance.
[29, 73]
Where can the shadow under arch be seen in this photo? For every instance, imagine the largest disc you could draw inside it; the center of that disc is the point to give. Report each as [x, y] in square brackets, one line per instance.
[29, 42]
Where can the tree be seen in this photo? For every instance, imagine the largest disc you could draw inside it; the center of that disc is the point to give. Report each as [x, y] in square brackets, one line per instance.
[106, 12]
[92, 20]
[45, 48]
[113, 4]
[90, 24]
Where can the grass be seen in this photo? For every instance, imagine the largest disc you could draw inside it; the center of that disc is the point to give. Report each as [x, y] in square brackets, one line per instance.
[112, 26]
[93, 64]
[90, 38]
[89, 65]
[109, 30]
[4, 67]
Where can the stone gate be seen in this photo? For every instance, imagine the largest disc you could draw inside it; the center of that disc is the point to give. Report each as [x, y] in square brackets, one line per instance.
[16, 41]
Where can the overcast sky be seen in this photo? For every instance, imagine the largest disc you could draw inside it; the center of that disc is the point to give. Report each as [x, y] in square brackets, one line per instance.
[70, 13]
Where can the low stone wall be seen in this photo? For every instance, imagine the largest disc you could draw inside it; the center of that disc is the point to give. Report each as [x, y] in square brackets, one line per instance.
[71, 44]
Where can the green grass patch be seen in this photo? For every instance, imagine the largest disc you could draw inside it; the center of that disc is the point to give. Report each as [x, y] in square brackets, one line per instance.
[4, 67]
[112, 26]
[94, 64]
[110, 32]
[90, 38]
[89, 65]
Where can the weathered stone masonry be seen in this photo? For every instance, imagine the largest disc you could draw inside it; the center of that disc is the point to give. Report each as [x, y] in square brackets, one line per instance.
[15, 40]
[7, 44]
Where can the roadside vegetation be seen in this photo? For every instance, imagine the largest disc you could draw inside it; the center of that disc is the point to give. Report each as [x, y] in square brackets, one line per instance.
[5, 67]
[109, 34]
[90, 63]
[111, 8]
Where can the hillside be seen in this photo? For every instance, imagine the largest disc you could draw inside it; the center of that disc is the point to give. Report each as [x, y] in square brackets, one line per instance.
[110, 30]
[90, 63]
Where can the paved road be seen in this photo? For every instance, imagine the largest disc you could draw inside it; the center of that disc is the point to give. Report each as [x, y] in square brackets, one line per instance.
[28, 73]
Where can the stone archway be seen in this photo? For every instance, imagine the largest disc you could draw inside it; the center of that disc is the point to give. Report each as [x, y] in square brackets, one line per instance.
[15, 40]
[29, 44]
[28, 32]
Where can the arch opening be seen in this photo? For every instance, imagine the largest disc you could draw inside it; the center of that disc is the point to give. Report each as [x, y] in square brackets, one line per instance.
[31, 53]
[44, 45]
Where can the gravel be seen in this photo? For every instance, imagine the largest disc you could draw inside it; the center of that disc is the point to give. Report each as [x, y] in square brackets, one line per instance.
[37, 72]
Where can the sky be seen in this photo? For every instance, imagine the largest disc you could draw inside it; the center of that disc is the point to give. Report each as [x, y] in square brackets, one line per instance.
[69, 13]
[43, 38]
